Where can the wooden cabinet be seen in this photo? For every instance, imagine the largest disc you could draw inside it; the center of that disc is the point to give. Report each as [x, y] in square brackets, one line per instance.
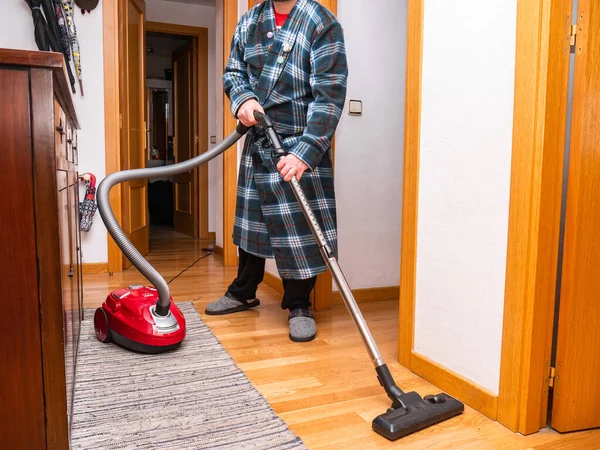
[40, 252]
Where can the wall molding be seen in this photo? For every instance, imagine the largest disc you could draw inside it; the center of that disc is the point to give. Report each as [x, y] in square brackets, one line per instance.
[361, 295]
[367, 295]
[94, 268]
[454, 384]
[273, 281]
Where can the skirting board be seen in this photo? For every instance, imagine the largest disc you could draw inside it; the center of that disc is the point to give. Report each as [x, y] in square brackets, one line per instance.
[361, 295]
[218, 250]
[273, 281]
[468, 392]
[94, 268]
[370, 294]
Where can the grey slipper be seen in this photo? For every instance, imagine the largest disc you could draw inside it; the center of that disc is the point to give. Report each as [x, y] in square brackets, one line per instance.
[302, 325]
[229, 304]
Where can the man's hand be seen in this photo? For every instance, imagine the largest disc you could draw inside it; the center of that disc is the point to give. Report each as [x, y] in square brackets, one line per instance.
[290, 166]
[246, 112]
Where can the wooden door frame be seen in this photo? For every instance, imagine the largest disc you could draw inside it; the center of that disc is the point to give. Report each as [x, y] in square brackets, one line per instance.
[534, 218]
[112, 64]
[201, 105]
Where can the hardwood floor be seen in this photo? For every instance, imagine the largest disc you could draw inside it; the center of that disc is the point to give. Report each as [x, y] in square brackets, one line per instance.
[325, 390]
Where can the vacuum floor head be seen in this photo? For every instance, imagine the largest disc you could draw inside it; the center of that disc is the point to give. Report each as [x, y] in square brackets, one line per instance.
[415, 414]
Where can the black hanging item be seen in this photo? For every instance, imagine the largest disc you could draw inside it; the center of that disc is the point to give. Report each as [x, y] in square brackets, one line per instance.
[57, 44]
[87, 208]
[40, 26]
[44, 31]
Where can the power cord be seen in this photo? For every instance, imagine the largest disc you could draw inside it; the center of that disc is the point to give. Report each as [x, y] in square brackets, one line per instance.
[210, 252]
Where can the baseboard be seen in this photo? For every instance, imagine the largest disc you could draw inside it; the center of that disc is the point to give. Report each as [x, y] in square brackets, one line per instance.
[273, 281]
[361, 295]
[218, 250]
[370, 294]
[94, 268]
[465, 390]
[212, 235]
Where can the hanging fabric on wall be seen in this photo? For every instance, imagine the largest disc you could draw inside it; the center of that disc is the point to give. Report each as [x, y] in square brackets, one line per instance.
[68, 13]
[46, 31]
[88, 207]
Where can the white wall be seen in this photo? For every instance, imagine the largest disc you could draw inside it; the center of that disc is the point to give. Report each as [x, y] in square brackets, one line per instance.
[196, 16]
[369, 148]
[466, 140]
[17, 32]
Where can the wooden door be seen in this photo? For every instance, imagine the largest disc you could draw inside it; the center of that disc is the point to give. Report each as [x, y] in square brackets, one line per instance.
[576, 397]
[185, 185]
[133, 111]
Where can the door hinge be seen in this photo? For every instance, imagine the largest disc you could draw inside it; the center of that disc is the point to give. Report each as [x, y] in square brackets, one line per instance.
[551, 377]
[120, 120]
[573, 35]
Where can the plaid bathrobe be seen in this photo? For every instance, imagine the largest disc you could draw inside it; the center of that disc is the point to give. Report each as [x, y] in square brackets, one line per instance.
[299, 75]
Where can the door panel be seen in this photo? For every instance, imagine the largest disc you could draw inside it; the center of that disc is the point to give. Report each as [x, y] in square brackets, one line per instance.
[74, 269]
[185, 217]
[133, 139]
[576, 398]
[65, 258]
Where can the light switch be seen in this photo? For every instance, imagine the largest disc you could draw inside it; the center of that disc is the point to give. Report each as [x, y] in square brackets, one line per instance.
[213, 139]
[355, 108]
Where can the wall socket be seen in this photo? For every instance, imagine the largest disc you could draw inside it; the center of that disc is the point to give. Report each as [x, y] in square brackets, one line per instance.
[213, 139]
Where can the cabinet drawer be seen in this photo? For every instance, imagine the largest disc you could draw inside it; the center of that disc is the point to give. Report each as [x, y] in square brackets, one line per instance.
[60, 133]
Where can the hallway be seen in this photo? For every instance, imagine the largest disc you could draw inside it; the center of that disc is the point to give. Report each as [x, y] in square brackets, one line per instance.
[325, 390]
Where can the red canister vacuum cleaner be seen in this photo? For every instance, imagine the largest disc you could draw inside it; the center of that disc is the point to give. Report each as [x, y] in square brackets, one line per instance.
[144, 318]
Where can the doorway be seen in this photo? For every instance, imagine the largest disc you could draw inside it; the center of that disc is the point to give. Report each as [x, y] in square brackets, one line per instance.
[177, 111]
[163, 119]
[168, 93]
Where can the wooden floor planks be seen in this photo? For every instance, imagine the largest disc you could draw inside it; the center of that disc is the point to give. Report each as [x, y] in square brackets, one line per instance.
[326, 390]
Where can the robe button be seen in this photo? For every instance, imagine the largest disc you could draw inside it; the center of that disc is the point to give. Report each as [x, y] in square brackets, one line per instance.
[270, 35]
[287, 47]
[280, 60]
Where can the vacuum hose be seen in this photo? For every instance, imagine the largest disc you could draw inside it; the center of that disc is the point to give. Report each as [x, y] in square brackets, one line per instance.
[119, 236]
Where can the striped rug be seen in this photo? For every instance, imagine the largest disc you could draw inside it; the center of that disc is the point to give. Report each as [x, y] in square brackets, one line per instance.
[192, 398]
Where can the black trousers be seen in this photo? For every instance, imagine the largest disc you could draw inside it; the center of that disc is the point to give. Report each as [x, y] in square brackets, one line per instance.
[251, 271]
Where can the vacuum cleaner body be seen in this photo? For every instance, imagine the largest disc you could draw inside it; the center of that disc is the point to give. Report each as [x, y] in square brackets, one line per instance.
[128, 317]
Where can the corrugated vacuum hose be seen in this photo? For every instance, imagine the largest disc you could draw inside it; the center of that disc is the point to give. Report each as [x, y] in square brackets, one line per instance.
[119, 236]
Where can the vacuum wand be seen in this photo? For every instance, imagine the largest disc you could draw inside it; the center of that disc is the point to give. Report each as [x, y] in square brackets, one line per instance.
[279, 152]
[119, 236]
[409, 412]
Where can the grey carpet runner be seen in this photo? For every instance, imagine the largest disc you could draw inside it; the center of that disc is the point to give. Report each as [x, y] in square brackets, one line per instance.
[193, 398]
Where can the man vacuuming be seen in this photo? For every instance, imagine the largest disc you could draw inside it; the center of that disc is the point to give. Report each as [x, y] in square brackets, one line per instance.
[287, 59]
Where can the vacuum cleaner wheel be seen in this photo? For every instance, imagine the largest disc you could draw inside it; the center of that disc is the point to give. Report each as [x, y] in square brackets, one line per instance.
[101, 326]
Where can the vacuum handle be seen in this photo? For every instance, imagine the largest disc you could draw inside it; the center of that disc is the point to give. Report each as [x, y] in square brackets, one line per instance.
[266, 124]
